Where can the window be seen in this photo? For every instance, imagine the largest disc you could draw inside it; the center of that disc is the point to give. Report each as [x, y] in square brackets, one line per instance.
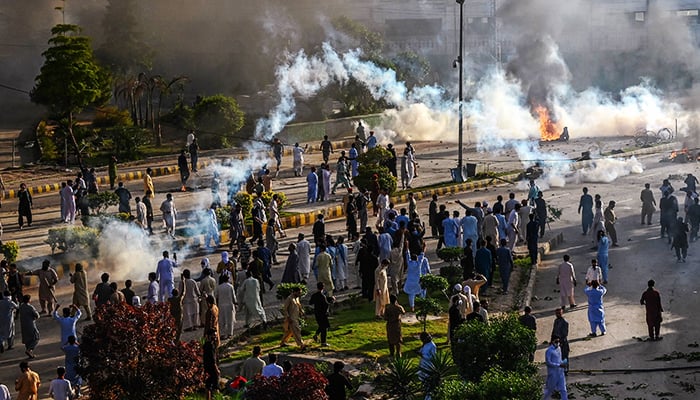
[639, 16]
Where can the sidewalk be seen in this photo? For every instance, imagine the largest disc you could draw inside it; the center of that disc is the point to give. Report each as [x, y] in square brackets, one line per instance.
[160, 165]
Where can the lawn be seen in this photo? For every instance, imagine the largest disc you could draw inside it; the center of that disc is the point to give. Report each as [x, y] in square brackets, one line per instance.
[354, 332]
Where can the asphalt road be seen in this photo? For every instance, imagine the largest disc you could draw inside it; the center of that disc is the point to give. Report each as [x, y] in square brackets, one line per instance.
[642, 256]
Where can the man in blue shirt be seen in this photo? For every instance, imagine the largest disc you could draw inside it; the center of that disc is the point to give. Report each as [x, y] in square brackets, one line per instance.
[164, 275]
[66, 321]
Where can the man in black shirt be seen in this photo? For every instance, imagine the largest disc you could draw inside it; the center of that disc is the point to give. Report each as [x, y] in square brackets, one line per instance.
[321, 303]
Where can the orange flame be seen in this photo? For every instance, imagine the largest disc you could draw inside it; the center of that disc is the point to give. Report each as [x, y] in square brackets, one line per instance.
[549, 130]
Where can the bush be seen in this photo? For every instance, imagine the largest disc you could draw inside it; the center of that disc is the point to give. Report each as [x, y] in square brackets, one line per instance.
[131, 353]
[434, 283]
[10, 250]
[100, 202]
[47, 144]
[453, 389]
[427, 306]
[285, 289]
[222, 216]
[364, 177]
[499, 384]
[453, 274]
[401, 381]
[450, 254]
[69, 237]
[441, 368]
[302, 382]
[111, 116]
[127, 141]
[504, 342]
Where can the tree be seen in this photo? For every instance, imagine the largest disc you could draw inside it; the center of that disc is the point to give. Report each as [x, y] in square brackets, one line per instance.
[70, 79]
[218, 118]
[132, 353]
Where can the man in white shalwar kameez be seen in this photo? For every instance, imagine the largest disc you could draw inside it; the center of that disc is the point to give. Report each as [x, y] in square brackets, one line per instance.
[68, 201]
[249, 293]
[226, 300]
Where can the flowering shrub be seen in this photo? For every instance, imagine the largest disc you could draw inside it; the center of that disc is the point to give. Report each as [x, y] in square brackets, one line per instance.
[131, 353]
[302, 382]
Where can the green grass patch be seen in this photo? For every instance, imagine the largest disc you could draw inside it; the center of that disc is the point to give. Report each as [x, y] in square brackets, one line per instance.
[354, 332]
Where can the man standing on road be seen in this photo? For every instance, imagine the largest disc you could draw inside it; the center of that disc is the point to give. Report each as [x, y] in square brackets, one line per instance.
[648, 203]
[566, 279]
[326, 148]
[47, 286]
[148, 189]
[693, 216]
[27, 320]
[184, 170]
[124, 197]
[8, 308]
[541, 211]
[277, 149]
[668, 207]
[298, 154]
[596, 311]
[505, 264]
[68, 202]
[531, 238]
[304, 253]
[560, 328]
[651, 299]
[25, 205]
[556, 381]
[321, 304]
[610, 220]
[165, 277]
[585, 208]
[169, 214]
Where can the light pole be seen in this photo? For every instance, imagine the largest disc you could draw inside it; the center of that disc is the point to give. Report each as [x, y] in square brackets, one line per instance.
[459, 176]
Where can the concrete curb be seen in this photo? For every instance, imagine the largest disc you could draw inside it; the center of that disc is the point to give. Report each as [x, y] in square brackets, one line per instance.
[157, 171]
[63, 269]
[543, 250]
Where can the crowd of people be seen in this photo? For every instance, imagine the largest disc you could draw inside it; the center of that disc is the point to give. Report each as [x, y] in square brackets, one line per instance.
[389, 258]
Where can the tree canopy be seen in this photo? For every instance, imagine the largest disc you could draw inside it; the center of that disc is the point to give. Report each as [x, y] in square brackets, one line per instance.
[218, 118]
[70, 79]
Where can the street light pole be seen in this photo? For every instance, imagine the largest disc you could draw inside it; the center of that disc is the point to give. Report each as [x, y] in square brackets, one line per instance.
[460, 176]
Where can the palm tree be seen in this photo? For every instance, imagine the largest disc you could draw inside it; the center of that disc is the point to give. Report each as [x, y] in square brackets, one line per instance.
[165, 89]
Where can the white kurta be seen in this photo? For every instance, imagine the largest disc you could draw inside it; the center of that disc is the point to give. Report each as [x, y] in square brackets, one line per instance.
[225, 299]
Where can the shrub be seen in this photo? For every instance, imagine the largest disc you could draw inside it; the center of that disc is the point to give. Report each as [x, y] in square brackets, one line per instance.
[453, 389]
[450, 254]
[110, 116]
[364, 177]
[246, 202]
[440, 369]
[285, 289]
[131, 353]
[453, 274]
[69, 237]
[222, 216]
[127, 141]
[434, 283]
[401, 381]
[427, 306]
[10, 250]
[378, 155]
[499, 384]
[504, 342]
[302, 382]
[47, 144]
[100, 202]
